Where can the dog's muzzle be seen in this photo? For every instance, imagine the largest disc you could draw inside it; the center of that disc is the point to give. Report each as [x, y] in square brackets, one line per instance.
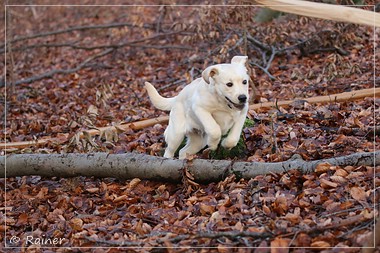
[240, 106]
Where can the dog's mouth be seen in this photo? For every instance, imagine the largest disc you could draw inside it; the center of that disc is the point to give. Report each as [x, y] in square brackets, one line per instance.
[239, 106]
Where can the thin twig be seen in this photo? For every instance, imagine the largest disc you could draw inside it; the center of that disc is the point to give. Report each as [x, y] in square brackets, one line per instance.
[12, 63]
[273, 54]
[160, 18]
[72, 29]
[113, 242]
[128, 43]
[264, 70]
[233, 235]
[258, 44]
[214, 235]
[63, 71]
[264, 49]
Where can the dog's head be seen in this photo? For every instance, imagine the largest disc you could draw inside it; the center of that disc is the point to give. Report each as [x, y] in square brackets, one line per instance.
[230, 81]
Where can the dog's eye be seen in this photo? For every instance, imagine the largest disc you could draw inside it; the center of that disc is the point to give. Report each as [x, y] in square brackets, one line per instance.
[229, 84]
[245, 82]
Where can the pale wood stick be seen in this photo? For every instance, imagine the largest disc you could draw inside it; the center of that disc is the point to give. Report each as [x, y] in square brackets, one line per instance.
[345, 96]
[324, 11]
[122, 127]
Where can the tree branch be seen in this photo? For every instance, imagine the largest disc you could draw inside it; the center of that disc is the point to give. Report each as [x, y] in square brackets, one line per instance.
[345, 96]
[62, 71]
[130, 44]
[264, 50]
[122, 127]
[72, 29]
[233, 235]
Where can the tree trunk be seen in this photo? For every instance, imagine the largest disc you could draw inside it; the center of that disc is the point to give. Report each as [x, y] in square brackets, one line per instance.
[133, 165]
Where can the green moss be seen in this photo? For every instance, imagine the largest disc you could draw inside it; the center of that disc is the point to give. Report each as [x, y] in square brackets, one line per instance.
[248, 123]
[239, 151]
[266, 15]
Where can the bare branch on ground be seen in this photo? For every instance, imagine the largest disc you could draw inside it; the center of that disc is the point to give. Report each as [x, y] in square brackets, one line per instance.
[345, 96]
[71, 29]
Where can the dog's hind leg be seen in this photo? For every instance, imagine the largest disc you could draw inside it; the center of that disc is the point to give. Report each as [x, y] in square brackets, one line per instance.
[195, 142]
[175, 132]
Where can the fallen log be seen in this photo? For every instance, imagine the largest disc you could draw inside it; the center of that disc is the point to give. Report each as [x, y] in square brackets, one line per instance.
[345, 96]
[133, 165]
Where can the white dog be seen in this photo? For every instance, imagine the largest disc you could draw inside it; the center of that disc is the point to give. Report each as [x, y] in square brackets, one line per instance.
[206, 109]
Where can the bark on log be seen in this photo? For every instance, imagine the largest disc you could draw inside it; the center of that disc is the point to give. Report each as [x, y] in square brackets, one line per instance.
[133, 165]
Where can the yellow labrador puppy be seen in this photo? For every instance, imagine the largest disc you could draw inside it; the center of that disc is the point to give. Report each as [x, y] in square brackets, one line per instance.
[206, 109]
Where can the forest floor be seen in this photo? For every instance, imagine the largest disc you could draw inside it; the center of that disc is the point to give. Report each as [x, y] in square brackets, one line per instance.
[105, 67]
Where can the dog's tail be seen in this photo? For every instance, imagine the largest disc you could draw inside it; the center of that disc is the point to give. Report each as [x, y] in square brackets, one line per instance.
[158, 101]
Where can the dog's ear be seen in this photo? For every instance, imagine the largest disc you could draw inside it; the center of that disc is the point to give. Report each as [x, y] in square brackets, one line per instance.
[209, 72]
[239, 60]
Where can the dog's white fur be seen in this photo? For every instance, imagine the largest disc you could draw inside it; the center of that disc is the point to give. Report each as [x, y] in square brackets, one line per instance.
[206, 109]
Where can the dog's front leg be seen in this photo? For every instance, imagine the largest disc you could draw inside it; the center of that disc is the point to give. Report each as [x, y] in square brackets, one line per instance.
[212, 129]
[234, 135]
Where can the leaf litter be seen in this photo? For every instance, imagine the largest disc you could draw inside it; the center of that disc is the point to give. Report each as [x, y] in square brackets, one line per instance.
[332, 207]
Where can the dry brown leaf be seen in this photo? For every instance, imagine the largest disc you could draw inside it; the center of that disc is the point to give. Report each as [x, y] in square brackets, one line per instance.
[280, 205]
[341, 172]
[216, 217]
[223, 248]
[239, 226]
[338, 179]
[266, 210]
[161, 188]
[206, 209]
[42, 193]
[333, 206]
[139, 227]
[322, 168]
[303, 240]
[327, 184]
[92, 190]
[262, 248]
[320, 244]
[92, 111]
[358, 193]
[120, 198]
[22, 219]
[280, 245]
[76, 224]
[134, 182]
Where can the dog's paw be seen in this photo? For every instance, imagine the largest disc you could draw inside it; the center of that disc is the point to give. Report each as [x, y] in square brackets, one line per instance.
[229, 143]
[213, 143]
[212, 147]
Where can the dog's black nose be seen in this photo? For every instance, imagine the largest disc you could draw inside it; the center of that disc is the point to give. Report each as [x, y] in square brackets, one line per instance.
[242, 98]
